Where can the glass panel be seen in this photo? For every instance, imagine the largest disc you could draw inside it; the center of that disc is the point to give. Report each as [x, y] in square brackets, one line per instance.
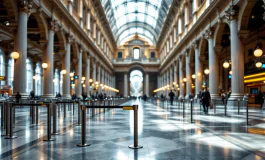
[147, 12]
[136, 53]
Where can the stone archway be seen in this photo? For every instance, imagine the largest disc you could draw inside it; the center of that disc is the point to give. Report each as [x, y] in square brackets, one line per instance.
[136, 83]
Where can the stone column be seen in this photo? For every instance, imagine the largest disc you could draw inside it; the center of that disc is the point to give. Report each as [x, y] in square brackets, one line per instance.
[147, 84]
[88, 23]
[213, 65]
[81, 12]
[175, 34]
[125, 85]
[181, 85]
[175, 78]
[94, 76]
[237, 56]
[95, 30]
[48, 91]
[87, 75]
[168, 81]
[102, 79]
[21, 47]
[66, 66]
[78, 71]
[198, 70]
[170, 78]
[98, 79]
[70, 6]
[188, 76]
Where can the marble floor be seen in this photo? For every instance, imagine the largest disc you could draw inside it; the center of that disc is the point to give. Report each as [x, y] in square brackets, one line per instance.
[163, 132]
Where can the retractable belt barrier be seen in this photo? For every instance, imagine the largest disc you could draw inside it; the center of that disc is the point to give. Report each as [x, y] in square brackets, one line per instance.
[9, 117]
[134, 108]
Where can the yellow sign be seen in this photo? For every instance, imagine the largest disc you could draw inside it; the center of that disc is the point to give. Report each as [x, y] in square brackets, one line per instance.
[44, 105]
[128, 108]
[2, 78]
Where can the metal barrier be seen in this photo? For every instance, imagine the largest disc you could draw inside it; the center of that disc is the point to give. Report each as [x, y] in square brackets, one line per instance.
[134, 108]
[9, 117]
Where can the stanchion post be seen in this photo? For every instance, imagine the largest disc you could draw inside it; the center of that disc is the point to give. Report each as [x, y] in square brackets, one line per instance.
[247, 114]
[74, 107]
[83, 129]
[191, 111]
[2, 115]
[54, 119]
[37, 113]
[135, 144]
[214, 106]
[33, 113]
[79, 116]
[225, 107]
[11, 136]
[6, 119]
[238, 109]
[64, 110]
[49, 136]
[183, 108]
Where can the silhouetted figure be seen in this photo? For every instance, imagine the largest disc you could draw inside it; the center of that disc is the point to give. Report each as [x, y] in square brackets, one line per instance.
[171, 97]
[145, 97]
[74, 96]
[84, 95]
[206, 98]
[32, 95]
[100, 96]
[18, 96]
[260, 98]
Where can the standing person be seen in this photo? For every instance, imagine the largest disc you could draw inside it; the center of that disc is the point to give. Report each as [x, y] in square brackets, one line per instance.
[190, 96]
[223, 97]
[18, 96]
[145, 97]
[171, 96]
[206, 98]
[260, 98]
[200, 97]
[32, 95]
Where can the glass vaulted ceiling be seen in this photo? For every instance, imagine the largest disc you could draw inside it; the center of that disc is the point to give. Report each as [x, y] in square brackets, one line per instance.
[130, 17]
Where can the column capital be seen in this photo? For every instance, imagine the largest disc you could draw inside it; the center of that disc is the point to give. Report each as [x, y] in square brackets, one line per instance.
[209, 33]
[69, 38]
[25, 6]
[195, 44]
[53, 25]
[231, 13]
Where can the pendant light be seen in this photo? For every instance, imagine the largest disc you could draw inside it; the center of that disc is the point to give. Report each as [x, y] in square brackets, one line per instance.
[258, 51]
[226, 63]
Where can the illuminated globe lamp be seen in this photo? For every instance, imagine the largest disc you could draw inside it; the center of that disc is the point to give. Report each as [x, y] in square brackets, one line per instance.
[230, 72]
[226, 64]
[206, 71]
[90, 80]
[258, 64]
[63, 71]
[184, 79]
[15, 56]
[193, 76]
[34, 77]
[258, 52]
[83, 78]
[84, 85]
[44, 66]
[71, 74]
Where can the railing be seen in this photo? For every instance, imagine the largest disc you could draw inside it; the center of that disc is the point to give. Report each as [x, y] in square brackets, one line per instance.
[131, 60]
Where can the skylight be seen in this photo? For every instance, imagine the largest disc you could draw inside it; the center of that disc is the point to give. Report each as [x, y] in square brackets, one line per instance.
[130, 17]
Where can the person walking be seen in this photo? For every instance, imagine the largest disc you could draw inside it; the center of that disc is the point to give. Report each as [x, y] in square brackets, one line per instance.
[206, 98]
[171, 97]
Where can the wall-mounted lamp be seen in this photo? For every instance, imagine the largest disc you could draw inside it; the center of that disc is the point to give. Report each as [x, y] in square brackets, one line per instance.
[63, 71]
[206, 71]
[44, 66]
[15, 56]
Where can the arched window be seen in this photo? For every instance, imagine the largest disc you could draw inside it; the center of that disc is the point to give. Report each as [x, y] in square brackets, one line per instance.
[38, 80]
[11, 72]
[2, 67]
[136, 53]
[56, 81]
[61, 83]
[29, 77]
